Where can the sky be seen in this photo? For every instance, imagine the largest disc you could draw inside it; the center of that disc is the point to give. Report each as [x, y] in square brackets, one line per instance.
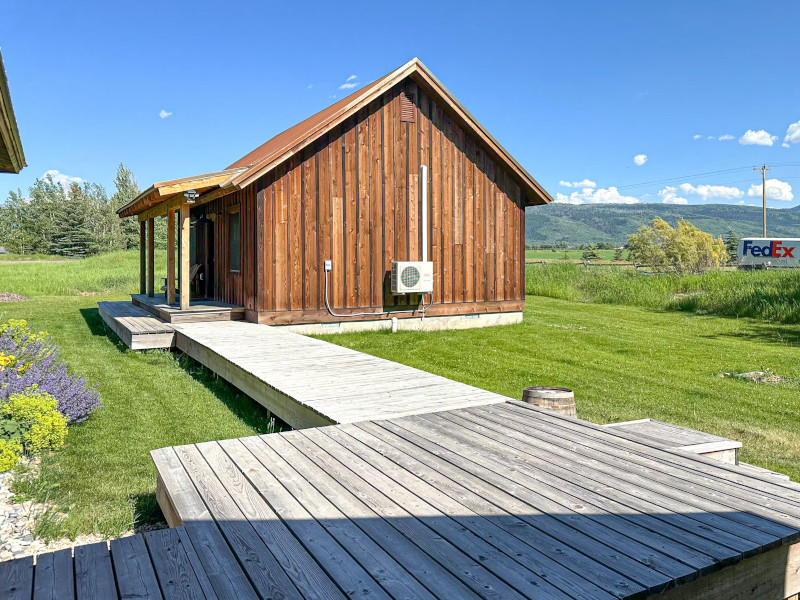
[618, 101]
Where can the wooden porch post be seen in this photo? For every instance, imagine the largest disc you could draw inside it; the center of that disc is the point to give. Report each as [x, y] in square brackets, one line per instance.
[185, 266]
[151, 256]
[171, 257]
[142, 259]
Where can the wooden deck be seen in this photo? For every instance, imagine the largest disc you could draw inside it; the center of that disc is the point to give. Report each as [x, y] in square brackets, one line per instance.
[668, 435]
[159, 565]
[500, 501]
[199, 310]
[307, 382]
[137, 328]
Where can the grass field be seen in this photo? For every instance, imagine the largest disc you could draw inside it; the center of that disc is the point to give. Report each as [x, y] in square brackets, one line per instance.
[104, 477]
[29, 257]
[605, 255]
[772, 296]
[624, 361]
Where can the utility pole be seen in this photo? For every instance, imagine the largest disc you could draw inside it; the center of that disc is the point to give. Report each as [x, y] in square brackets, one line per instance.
[763, 168]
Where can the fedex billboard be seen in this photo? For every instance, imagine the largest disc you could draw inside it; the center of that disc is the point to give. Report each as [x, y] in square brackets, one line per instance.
[769, 252]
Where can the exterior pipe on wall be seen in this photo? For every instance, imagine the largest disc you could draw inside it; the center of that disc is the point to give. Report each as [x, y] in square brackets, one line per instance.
[424, 174]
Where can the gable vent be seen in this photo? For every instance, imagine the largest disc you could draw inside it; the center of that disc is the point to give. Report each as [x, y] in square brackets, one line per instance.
[408, 111]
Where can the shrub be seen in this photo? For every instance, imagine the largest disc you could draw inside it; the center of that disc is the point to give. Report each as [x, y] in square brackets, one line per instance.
[686, 248]
[10, 451]
[44, 427]
[34, 361]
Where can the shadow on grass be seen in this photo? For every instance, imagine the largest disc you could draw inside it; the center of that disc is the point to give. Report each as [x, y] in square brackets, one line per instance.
[240, 404]
[99, 328]
[147, 513]
[769, 334]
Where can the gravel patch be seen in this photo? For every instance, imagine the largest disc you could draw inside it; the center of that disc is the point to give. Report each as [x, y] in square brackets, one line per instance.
[18, 521]
[9, 297]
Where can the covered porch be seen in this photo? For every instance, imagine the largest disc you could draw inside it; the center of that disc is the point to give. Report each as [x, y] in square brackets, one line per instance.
[174, 199]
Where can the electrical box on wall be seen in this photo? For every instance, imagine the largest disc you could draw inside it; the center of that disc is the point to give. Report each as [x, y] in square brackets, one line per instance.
[412, 277]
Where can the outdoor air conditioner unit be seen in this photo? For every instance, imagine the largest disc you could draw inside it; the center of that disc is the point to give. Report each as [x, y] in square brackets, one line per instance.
[412, 277]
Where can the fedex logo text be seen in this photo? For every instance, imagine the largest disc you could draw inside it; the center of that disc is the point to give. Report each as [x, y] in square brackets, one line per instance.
[774, 249]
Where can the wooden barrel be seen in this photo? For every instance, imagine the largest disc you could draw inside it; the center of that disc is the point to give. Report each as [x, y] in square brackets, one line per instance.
[558, 399]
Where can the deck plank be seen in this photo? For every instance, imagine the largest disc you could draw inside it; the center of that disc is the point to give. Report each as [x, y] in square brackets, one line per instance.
[94, 576]
[16, 578]
[176, 575]
[134, 572]
[54, 577]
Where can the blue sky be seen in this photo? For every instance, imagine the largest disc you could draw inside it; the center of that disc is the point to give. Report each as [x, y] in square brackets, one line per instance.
[574, 90]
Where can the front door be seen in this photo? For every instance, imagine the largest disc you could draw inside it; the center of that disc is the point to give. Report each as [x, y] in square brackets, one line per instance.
[202, 253]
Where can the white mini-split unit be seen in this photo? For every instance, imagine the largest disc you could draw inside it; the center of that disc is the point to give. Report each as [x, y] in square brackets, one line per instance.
[412, 277]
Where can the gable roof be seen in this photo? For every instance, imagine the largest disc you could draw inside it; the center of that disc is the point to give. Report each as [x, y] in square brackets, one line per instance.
[286, 144]
[12, 158]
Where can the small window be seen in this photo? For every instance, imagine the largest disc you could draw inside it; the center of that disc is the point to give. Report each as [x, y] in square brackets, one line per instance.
[234, 235]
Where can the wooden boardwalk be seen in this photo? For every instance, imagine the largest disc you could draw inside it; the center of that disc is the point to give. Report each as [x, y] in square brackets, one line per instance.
[199, 310]
[500, 501]
[308, 382]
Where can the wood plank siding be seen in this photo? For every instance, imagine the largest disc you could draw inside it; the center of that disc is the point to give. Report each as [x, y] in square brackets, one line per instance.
[353, 197]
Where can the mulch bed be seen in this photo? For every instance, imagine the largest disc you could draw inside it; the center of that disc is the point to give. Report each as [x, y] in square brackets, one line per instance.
[9, 297]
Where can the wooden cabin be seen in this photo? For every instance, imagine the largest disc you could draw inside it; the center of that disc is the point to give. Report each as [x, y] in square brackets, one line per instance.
[306, 229]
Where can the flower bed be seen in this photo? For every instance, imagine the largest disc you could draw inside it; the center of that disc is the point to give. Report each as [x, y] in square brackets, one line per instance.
[38, 396]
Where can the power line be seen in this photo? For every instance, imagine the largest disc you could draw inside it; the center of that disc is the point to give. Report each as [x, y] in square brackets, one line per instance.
[670, 179]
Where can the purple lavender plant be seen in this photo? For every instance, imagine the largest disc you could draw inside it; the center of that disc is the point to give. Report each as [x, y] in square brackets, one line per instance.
[38, 364]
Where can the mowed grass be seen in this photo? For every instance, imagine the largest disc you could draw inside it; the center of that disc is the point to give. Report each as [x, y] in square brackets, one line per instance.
[627, 363]
[104, 478]
[772, 296]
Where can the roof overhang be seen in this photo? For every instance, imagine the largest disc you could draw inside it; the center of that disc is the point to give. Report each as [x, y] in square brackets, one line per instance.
[12, 158]
[159, 198]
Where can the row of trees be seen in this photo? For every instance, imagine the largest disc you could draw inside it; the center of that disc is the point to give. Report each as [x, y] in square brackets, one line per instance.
[76, 220]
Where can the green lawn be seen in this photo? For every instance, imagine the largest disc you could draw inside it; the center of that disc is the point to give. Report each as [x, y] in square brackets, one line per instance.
[627, 363]
[104, 477]
[571, 254]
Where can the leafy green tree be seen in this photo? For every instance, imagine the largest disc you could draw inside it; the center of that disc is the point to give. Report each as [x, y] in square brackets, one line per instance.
[126, 190]
[618, 255]
[685, 248]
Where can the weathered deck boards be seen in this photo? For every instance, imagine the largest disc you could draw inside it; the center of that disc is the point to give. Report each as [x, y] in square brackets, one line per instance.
[159, 565]
[668, 435]
[498, 501]
[199, 310]
[137, 328]
[307, 382]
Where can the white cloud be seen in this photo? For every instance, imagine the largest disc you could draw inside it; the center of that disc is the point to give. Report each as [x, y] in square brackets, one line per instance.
[586, 183]
[309, 86]
[596, 196]
[696, 136]
[164, 114]
[776, 190]
[669, 195]
[349, 83]
[757, 138]
[707, 192]
[640, 159]
[61, 179]
[710, 137]
[792, 135]
[726, 137]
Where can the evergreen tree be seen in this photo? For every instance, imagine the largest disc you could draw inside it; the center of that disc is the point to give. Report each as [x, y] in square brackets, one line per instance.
[590, 253]
[72, 232]
[127, 190]
[731, 243]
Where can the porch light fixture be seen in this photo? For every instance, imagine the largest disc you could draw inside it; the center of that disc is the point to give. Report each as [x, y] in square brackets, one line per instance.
[191, 196]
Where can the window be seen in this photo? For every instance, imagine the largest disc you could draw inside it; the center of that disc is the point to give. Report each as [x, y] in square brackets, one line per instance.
[234, 235]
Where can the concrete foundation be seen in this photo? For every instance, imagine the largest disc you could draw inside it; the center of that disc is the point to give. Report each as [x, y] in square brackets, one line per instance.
[472, 321]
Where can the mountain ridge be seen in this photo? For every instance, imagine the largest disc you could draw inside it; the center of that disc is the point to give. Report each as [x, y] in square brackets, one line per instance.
[612, 223]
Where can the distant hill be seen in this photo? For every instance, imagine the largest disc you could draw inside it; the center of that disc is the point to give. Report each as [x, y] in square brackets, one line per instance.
[612, 223]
